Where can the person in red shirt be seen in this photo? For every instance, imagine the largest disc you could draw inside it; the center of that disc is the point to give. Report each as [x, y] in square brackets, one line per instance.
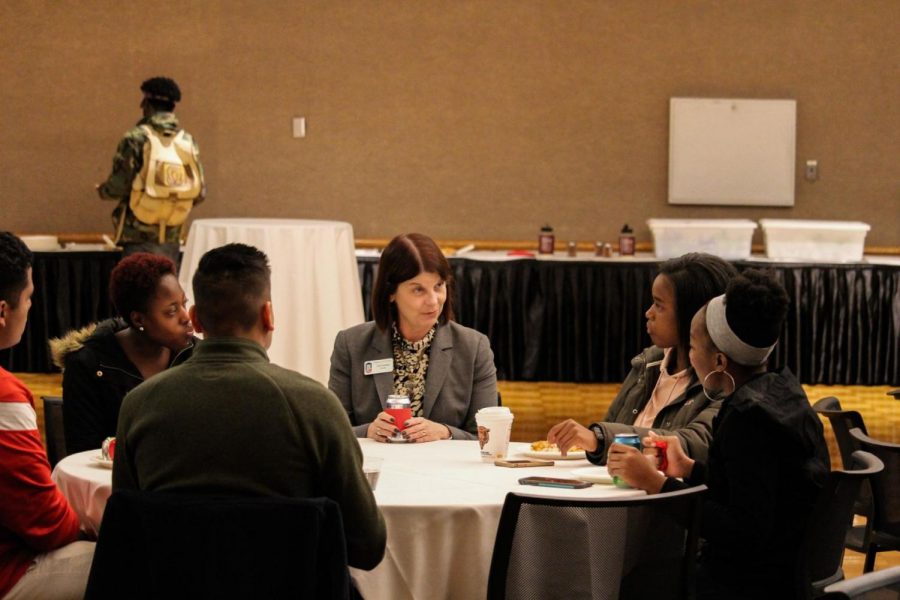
[40, 556]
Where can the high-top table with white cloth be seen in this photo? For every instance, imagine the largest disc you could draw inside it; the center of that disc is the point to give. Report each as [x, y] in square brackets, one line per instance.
[441, 506]
[315, 282]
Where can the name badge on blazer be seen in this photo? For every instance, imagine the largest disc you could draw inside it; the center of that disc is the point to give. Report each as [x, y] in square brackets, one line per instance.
[382, 365]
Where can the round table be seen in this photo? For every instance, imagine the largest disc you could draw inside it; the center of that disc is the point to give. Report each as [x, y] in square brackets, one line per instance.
[87, 483]
[315, 282]
[441, 505]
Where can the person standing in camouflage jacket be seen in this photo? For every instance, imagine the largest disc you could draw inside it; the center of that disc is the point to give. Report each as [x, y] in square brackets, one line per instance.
[158, 104]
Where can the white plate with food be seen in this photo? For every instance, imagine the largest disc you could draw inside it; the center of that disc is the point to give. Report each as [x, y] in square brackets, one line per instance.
[593, 475]
[541, 449]
[103, 462]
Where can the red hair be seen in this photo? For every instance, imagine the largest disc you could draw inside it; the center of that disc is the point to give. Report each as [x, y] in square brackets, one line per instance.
[134, 281]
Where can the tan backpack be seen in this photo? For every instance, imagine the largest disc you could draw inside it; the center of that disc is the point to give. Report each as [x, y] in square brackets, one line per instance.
[164, 191]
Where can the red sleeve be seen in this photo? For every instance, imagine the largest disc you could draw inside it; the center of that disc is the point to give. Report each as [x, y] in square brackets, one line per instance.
[33, 508]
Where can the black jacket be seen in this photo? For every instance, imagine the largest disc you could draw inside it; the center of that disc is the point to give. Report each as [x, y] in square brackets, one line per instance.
[767, 462]
[96, 376]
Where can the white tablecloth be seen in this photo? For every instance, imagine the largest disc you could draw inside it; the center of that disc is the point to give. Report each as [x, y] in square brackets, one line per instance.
[441, 505]
[87, 484]
[315, 282]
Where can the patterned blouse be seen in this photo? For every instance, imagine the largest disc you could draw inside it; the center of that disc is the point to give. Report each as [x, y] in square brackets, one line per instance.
[410, 367]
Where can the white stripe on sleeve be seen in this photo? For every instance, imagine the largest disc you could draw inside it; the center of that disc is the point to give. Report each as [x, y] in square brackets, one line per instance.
[17, 416]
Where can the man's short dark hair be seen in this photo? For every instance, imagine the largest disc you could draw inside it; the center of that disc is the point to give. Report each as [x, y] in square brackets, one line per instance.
[230, 286]
[15, 260]
[162, 93]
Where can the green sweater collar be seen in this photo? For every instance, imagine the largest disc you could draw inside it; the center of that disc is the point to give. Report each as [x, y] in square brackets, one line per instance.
[233, 349]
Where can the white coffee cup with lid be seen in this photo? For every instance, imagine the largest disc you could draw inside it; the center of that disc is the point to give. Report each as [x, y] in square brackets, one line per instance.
[494, 428]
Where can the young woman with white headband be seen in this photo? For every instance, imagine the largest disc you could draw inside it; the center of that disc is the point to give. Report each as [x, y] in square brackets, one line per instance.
[768, 458]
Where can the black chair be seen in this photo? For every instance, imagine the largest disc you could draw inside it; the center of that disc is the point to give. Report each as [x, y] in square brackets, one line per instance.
[54, 429]
[640, 547]
[842, 421]
[878, 585]
[822, 549]
[827, 403]
[885, 530]
[156, 545]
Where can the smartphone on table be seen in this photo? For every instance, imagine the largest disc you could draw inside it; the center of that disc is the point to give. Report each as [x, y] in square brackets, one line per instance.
[571, 484]
[519, 463]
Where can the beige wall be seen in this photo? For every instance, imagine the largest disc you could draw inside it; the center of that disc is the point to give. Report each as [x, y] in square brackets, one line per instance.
[479, 119]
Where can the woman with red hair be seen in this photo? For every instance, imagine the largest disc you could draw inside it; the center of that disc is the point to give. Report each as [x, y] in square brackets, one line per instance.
[104, 361]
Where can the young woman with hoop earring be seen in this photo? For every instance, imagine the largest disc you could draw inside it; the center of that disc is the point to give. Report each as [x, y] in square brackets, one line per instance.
[768, 459]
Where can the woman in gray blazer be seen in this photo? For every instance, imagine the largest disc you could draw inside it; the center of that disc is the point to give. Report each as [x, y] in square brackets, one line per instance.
[413, 347]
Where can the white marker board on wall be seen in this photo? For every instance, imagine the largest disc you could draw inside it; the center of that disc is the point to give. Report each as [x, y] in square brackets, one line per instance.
[732, 151]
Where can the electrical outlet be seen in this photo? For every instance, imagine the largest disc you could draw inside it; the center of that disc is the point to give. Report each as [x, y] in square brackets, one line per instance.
[812, 170]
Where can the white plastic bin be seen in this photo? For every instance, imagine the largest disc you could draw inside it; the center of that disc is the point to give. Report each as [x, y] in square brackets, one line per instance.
[836, 241]
[41, 243]
[727, 238]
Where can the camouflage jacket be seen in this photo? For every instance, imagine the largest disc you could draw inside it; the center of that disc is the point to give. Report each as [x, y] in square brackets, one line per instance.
[127, 163]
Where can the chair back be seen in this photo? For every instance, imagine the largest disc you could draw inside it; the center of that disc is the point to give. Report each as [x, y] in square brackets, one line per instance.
[878, 585]
[823, 543]
[161, 545]
[842, 421]
[54, 429]
[641, 547]
[885, 485]
[827, 403]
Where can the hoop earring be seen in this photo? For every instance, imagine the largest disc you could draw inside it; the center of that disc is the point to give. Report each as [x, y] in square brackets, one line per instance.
[721, 395]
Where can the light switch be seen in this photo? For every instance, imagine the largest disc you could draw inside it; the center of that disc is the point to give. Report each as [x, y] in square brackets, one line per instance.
[299, 127]
[812, 170]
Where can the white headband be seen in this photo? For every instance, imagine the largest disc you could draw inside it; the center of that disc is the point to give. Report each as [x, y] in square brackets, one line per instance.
[727, 341]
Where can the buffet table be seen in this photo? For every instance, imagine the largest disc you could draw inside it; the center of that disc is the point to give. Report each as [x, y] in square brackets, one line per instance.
[575, 319]
[315, 288]
[440, 503]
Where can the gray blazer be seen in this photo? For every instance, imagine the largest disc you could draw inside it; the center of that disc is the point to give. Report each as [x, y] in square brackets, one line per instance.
[461, 377]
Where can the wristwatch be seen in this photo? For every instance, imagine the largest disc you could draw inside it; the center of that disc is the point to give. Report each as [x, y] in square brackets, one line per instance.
[601, 439]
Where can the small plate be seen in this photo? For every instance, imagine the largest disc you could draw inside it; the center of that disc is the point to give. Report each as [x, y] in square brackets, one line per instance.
[103, 462]
[593, 475]
[554, 455]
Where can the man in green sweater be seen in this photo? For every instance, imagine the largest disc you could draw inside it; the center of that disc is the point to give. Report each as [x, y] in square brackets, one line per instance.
[227, 421]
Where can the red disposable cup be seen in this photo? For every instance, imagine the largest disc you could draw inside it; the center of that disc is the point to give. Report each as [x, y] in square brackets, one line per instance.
[401, 416]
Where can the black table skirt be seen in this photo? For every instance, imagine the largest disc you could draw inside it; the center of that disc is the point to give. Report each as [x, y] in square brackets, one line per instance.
[70, 291]
[561, 321]
[584, 321]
